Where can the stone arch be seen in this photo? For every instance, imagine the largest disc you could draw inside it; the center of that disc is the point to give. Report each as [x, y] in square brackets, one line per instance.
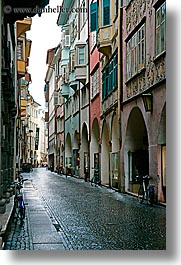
[105, 152]
[84, 161]
[115, 152]
[94, 145]
[136, 155]
[162, 156]
[68, 149]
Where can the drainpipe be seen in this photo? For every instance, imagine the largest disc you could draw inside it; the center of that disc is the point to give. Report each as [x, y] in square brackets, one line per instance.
[120, 80]
[89, 134]
[0, 92]
[79, 143]
[122, 178]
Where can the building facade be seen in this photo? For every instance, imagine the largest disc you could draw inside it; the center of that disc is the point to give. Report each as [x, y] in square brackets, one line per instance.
[50, 89]
[144, 95]
[14, 53]
[111, 74]
[41, 139]
[75, 85]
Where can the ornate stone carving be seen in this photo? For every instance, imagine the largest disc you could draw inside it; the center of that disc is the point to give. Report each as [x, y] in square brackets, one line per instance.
[160, 70]
[135, 13]
[150, 72]
[135, 87]
[141, 82]
[129, 92]
[150, 9]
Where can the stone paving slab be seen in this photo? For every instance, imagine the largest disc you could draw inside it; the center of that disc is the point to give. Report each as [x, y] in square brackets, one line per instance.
[47, 237]
[49, 247]
[43, 233]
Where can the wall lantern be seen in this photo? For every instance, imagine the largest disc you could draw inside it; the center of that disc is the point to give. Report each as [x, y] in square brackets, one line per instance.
[148, 101]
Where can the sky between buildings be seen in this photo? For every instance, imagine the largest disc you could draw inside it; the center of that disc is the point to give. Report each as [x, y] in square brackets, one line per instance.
[45, 34]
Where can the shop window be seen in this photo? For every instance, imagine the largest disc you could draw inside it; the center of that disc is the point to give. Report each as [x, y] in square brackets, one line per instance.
[138, 164]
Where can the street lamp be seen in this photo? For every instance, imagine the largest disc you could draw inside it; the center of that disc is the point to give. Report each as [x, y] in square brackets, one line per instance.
[148, 101]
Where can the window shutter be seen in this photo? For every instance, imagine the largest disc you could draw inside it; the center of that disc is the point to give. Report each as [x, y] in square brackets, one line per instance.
[106, 12]
[93, 17]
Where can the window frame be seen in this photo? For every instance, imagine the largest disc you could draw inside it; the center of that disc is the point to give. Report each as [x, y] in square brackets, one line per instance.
[158, 28]
[133, 53]
[95, 83]
[109, 74]
[106, 4]
[93, 13]
[77, 57]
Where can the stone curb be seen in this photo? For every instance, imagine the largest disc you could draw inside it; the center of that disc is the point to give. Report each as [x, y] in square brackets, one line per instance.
[5, 221]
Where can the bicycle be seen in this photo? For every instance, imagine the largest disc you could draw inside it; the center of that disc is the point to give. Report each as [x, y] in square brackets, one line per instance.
[95, 179]
[19, 200]
[146, 191]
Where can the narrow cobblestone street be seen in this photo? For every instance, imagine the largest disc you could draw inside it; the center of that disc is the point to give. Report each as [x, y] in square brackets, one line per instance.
[68, 213]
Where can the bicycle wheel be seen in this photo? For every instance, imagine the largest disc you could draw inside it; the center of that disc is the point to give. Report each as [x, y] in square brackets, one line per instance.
[16, 207]
[150, 197]
[22, 214]
[140, 195]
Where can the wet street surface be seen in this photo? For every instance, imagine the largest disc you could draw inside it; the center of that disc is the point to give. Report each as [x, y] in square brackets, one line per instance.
[84, 217]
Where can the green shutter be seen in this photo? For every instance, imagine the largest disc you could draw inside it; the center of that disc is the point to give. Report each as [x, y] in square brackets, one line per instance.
[106, 12]
[103, 85]
[116, 70]
[93, 16]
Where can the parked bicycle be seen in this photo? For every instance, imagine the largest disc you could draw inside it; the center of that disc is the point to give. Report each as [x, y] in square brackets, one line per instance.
[69, 170]
[19, 200]
[146, 190]
[95, 179]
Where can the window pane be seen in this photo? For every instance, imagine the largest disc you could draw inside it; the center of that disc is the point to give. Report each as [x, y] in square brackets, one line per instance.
[157, 41]
[106, 16]
[139, 55]
[143, 54]
[163, 37]
[106, 12]
[158, 17]
[93, 16]
[81, 55]
[163, 12]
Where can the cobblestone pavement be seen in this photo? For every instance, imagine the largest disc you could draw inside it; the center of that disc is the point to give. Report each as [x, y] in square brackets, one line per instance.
[18, 236]
[94, 218]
